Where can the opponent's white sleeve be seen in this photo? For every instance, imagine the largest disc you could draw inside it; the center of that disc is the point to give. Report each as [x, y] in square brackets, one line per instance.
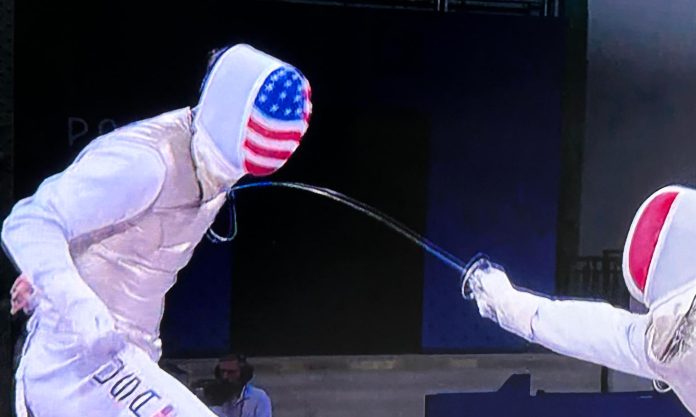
[595, 332]
[587, 330]
[109, 182]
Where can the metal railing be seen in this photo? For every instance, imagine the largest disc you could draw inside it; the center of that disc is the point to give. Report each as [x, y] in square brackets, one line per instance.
[597, 277]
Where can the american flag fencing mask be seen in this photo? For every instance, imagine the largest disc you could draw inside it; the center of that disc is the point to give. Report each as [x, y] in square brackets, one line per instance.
[278, 119]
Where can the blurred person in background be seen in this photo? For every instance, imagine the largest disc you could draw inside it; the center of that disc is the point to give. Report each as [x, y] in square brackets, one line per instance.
[232, 394]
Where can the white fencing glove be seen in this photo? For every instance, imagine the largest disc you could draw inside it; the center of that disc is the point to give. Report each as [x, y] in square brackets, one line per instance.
[498, 300]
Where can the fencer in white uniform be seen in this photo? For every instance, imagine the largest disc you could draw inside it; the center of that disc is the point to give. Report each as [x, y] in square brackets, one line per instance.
[659, 268]
[102, 241]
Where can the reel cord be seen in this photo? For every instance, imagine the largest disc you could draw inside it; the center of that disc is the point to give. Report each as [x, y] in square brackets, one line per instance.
[441, 254]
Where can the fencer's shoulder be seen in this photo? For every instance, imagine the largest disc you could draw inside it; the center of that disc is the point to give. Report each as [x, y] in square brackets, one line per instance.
[677, 301]
[158, 128]
[179, 118]
[117, 156]
[150, 138]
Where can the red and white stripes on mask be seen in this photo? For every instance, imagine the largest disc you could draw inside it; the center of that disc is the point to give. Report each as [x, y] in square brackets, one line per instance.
[278, 120]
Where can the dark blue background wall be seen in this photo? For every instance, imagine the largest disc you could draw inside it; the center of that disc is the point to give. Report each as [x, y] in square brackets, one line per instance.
[494, 168]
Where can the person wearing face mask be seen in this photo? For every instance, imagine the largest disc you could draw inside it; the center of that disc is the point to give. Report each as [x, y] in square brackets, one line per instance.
[659, 269]
[232, 394]
[99, 244]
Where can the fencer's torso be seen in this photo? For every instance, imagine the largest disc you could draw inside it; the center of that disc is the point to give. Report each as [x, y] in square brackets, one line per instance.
[671, 344]
[131, 264]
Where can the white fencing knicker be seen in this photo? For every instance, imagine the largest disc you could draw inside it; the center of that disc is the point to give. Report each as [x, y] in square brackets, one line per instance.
[58, 377]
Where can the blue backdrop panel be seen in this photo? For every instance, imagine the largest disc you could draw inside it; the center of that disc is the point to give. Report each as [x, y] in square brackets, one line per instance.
[198, 307]
[493, 184]
[513, 400]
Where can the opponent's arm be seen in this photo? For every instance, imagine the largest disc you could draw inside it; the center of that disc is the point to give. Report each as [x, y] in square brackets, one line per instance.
[587, 330]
